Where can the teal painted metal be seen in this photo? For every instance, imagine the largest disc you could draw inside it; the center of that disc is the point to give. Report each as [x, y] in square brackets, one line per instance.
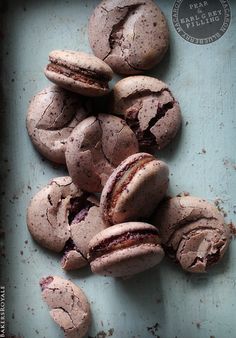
[165, 301]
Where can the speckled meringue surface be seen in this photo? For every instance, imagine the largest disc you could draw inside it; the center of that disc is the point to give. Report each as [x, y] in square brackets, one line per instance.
[130, 35]
[79, 72]
[134, 189]
[96, 147]
[125, 249]
[193, 232]
[62, 218]
[52, 115]
[149, 108]
[68, 305]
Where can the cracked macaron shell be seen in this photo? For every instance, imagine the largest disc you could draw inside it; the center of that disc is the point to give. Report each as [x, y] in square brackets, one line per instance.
[52, 115]
[149, 108]
[91, 74]
[131, 255]
[48, 221]
[130, 35]
[193, 232]
[68, 305]
[97, 145]
[134, 189]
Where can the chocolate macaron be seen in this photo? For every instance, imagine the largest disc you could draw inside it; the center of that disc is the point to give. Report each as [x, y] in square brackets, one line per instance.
[62, 218]
[95, 147]
[193, 232]
[125, 249]
[52, 115]
[150, 110]
[79, 72]
[129, 35]
[134, 189]
[68, 305]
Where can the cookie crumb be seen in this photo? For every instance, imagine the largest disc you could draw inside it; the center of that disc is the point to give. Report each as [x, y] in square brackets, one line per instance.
[232, 228]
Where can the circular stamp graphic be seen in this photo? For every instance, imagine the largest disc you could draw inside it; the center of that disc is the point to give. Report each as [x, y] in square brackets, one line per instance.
[201, 22]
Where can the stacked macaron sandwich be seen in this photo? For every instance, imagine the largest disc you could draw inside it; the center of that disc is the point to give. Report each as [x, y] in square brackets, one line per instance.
[111, 210]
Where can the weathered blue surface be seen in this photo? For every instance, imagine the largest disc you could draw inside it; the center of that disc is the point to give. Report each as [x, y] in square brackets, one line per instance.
[202, 161]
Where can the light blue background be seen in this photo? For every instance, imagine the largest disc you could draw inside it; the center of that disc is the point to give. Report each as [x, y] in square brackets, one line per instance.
[203, 79]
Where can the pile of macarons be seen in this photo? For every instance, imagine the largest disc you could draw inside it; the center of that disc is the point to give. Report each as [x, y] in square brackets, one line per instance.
[111, 211]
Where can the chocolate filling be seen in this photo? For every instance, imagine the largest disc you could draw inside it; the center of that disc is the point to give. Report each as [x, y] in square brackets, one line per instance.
[81, 75]
[126, 240]
[79, 207]
[114, 192]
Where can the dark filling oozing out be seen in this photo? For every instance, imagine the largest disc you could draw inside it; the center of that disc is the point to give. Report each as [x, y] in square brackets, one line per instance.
[44, 282]
[123, 241]
[79, 207]
[145, 137]
[82, 75]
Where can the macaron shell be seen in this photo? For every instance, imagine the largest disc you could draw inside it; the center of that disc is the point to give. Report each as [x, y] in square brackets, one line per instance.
[144, 191]
[190, 209]
[149, 108]
[73, 260]
[51, 116]
[84, 231]
[134, 84]
[43, 215]
[70, 299]
[95, 147]
[193, 231]
[129, 261]
[126, 20]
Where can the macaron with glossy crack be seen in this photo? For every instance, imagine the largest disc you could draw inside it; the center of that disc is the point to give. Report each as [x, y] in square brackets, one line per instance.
[134, 189]
[68, 305]
[149, 108]
[96, 147]
[52, 115]
[63, 219]
[125, 249]
[193, 232]
[130, 35]
[79, 72]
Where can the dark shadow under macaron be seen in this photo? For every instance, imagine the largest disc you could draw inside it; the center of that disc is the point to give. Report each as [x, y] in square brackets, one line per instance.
[129, 35]
[79, 72]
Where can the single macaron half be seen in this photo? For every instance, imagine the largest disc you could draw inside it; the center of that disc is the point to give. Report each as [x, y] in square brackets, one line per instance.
[193, 232]
[129, 35]
[68, 305]
[79, 72]
[62, 218]
[149, 108]
[134, 189]
[52, 115]
[96, 147]
[125, 249]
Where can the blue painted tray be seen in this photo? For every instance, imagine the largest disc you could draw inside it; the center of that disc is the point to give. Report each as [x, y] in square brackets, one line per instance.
[163, 302]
